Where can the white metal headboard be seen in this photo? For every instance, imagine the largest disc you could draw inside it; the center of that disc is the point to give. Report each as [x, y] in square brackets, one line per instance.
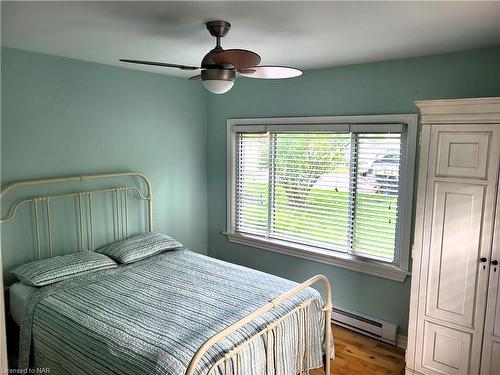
[41, 206]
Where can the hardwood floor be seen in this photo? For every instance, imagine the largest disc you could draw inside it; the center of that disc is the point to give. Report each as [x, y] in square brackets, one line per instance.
[356, 354]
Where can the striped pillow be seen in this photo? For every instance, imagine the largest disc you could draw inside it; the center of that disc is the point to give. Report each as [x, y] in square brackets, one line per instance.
[51, 270]
[139, 247]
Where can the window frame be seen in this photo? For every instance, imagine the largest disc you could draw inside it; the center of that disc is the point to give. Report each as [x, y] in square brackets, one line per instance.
[338, 123]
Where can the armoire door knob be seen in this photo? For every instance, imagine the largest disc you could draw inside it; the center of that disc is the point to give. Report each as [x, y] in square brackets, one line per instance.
[483, 260]
[494, 262]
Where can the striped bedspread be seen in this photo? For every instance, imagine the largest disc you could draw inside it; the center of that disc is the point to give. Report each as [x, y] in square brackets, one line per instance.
[151, 316]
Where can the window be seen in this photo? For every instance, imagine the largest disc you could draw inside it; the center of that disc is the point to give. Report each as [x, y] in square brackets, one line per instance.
[336, 192]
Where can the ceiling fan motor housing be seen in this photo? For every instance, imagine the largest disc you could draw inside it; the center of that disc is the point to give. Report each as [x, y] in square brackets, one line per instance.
[208, 60]
[218, 74]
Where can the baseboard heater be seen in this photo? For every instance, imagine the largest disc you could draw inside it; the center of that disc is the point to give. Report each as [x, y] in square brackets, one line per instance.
[366, 325]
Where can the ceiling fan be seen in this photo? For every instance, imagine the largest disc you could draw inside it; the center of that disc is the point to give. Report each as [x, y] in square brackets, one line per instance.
[219, 66]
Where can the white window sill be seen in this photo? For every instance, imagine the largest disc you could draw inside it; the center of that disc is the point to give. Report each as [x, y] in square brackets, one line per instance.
[347, 261]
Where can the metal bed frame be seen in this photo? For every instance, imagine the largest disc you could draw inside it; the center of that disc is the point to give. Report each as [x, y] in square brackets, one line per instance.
[86, 241]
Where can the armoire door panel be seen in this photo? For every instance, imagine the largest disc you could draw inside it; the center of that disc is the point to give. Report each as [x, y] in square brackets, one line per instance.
[495, 359]
[463, 154]
[446, 350]
[454, 250]
[496, 310]
[491, 341]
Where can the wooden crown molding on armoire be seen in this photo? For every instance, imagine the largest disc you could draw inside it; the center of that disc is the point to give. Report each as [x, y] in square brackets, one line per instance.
[455, 292]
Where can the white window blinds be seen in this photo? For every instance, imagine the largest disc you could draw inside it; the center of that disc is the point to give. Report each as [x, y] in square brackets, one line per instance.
[334, 190]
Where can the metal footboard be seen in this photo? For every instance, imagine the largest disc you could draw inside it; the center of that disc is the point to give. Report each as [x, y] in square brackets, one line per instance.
[273, 329]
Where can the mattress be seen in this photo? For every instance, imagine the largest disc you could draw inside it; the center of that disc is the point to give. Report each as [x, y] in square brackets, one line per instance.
[19, 296]
[151, 316]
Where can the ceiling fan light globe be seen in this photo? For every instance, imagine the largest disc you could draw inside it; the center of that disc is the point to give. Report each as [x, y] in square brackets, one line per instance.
[218, 81]
[217, 86]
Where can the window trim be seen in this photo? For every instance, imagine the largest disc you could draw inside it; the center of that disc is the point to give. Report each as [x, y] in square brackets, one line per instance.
[338, 123]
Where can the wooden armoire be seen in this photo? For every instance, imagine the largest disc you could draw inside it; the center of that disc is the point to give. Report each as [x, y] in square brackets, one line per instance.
[455, 302]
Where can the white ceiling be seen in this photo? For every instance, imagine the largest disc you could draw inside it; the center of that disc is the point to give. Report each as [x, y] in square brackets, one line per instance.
[304, 34]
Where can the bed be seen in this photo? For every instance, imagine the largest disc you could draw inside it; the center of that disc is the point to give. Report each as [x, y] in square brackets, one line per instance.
[176, 312]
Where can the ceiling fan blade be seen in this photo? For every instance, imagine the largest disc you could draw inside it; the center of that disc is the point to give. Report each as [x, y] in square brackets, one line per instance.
[183, 67]
[198, 76]
[270, 72]
[239, 58]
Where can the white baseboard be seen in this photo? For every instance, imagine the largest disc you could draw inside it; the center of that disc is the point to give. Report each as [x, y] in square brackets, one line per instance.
[401, 340]
[367, 325]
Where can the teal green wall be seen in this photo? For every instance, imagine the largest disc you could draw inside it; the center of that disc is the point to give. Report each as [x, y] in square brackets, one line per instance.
[62, 116]
[377, 88]
[65, 117]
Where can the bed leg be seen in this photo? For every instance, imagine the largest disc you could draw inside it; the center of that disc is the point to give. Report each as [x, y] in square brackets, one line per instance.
[324, 363]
